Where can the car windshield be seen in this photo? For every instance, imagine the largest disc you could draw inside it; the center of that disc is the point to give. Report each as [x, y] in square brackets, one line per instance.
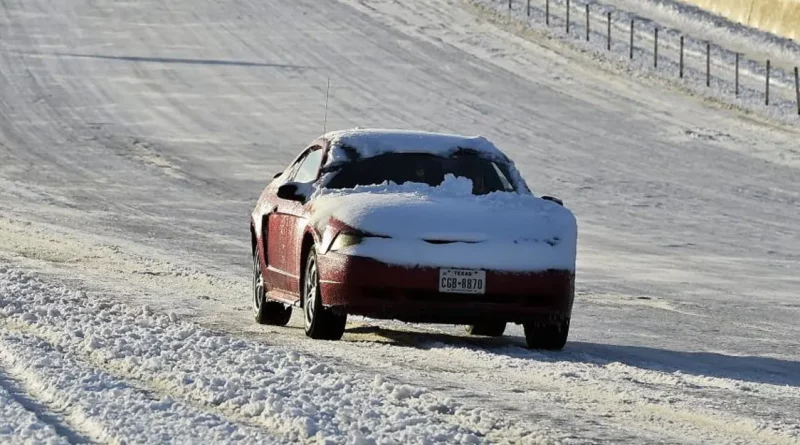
[486, 176]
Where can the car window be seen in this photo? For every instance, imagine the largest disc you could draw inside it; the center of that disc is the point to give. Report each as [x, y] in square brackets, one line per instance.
[429, 169]
[309, 167]
[506, 183]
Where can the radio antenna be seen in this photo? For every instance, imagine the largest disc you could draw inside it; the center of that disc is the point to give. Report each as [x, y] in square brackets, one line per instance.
[327, 96]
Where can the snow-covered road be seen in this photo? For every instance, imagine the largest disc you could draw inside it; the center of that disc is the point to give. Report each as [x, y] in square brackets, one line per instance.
[136, 136]
[124, 374]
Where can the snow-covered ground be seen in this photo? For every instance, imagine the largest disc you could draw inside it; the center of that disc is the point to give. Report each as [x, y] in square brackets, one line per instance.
[674, 19]
[135, 138]
[121, 373]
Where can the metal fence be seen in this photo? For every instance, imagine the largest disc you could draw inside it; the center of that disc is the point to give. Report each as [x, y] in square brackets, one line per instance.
[569, 23]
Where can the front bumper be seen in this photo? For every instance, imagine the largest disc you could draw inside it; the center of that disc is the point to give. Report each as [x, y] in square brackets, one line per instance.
[363, 286]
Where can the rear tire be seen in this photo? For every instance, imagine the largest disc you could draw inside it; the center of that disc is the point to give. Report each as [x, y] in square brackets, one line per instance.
[551, 337]
[489, 328]
[321, 323]
[265, 311]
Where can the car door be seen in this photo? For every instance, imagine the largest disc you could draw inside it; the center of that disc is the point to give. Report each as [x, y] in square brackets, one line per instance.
[286, 226]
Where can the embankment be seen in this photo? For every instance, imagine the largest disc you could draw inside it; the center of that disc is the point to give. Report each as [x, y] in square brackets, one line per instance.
[780, 17]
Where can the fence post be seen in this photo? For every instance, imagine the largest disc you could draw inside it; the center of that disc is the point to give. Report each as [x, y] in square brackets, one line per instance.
[767, 90]
[587, 22]
[737, 75]
[797, 88]
[547, 12]
[631, 39]
[655, 50]
[708, 64]
[568, 16]
[528, 9]
[681, 57]
[609, 32]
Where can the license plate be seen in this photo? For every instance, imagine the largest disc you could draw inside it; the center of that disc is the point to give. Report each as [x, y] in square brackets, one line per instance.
[462, 281]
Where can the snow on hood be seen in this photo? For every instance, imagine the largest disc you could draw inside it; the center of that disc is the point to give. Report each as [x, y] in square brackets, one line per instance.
[501, 230]
[419, 211]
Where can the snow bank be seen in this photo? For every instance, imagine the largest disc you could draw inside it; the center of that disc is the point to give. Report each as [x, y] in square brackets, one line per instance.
[501, 230]
[108, 409]
[90, 355]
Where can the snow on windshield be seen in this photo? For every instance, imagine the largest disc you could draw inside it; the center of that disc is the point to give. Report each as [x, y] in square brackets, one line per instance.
[423, 168]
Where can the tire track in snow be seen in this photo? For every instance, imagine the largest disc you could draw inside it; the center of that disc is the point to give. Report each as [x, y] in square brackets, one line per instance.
[678, 406]
[27, 393]
[23, 417]
[682, 406]
[154, 385]
[107, 409]
[296, 396]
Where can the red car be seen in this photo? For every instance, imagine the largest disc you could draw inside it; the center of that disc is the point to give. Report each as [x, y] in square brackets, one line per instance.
[414, 226]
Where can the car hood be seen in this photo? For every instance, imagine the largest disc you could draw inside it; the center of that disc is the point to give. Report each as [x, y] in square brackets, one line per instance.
[445, 218]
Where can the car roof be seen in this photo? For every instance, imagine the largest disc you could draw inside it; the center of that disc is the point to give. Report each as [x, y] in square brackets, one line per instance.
[367, 143]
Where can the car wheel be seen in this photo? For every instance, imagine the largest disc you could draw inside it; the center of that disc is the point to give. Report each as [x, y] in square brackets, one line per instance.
[265, 311]
[552, 337]
[321, 323]
[489, 329]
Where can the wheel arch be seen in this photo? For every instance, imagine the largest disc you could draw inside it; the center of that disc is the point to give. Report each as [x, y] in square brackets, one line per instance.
[264, 235]
[253, 238]
[308, 243]
[259, 238]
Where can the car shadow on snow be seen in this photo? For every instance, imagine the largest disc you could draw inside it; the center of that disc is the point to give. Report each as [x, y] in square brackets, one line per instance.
[752, 369]
[421, 339]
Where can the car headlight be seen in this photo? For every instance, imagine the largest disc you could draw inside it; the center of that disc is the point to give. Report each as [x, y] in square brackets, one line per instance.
[345, 239]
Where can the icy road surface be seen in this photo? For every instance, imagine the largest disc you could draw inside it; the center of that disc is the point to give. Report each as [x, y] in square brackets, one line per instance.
[136, 136]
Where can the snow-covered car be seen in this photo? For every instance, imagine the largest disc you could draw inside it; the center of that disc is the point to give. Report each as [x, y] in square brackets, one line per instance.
[419, 227]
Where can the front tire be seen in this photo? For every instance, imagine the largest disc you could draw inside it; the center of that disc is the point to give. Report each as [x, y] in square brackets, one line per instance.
[321, 323]
[551, 337]
[489, 329]
[266, 312]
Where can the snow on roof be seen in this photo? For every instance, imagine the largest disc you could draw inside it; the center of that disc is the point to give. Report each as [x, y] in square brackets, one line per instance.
[373, 142]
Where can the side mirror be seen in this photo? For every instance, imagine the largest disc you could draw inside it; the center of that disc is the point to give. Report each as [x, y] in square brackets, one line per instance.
[555, 200]
[277, 174]
[291, 192]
